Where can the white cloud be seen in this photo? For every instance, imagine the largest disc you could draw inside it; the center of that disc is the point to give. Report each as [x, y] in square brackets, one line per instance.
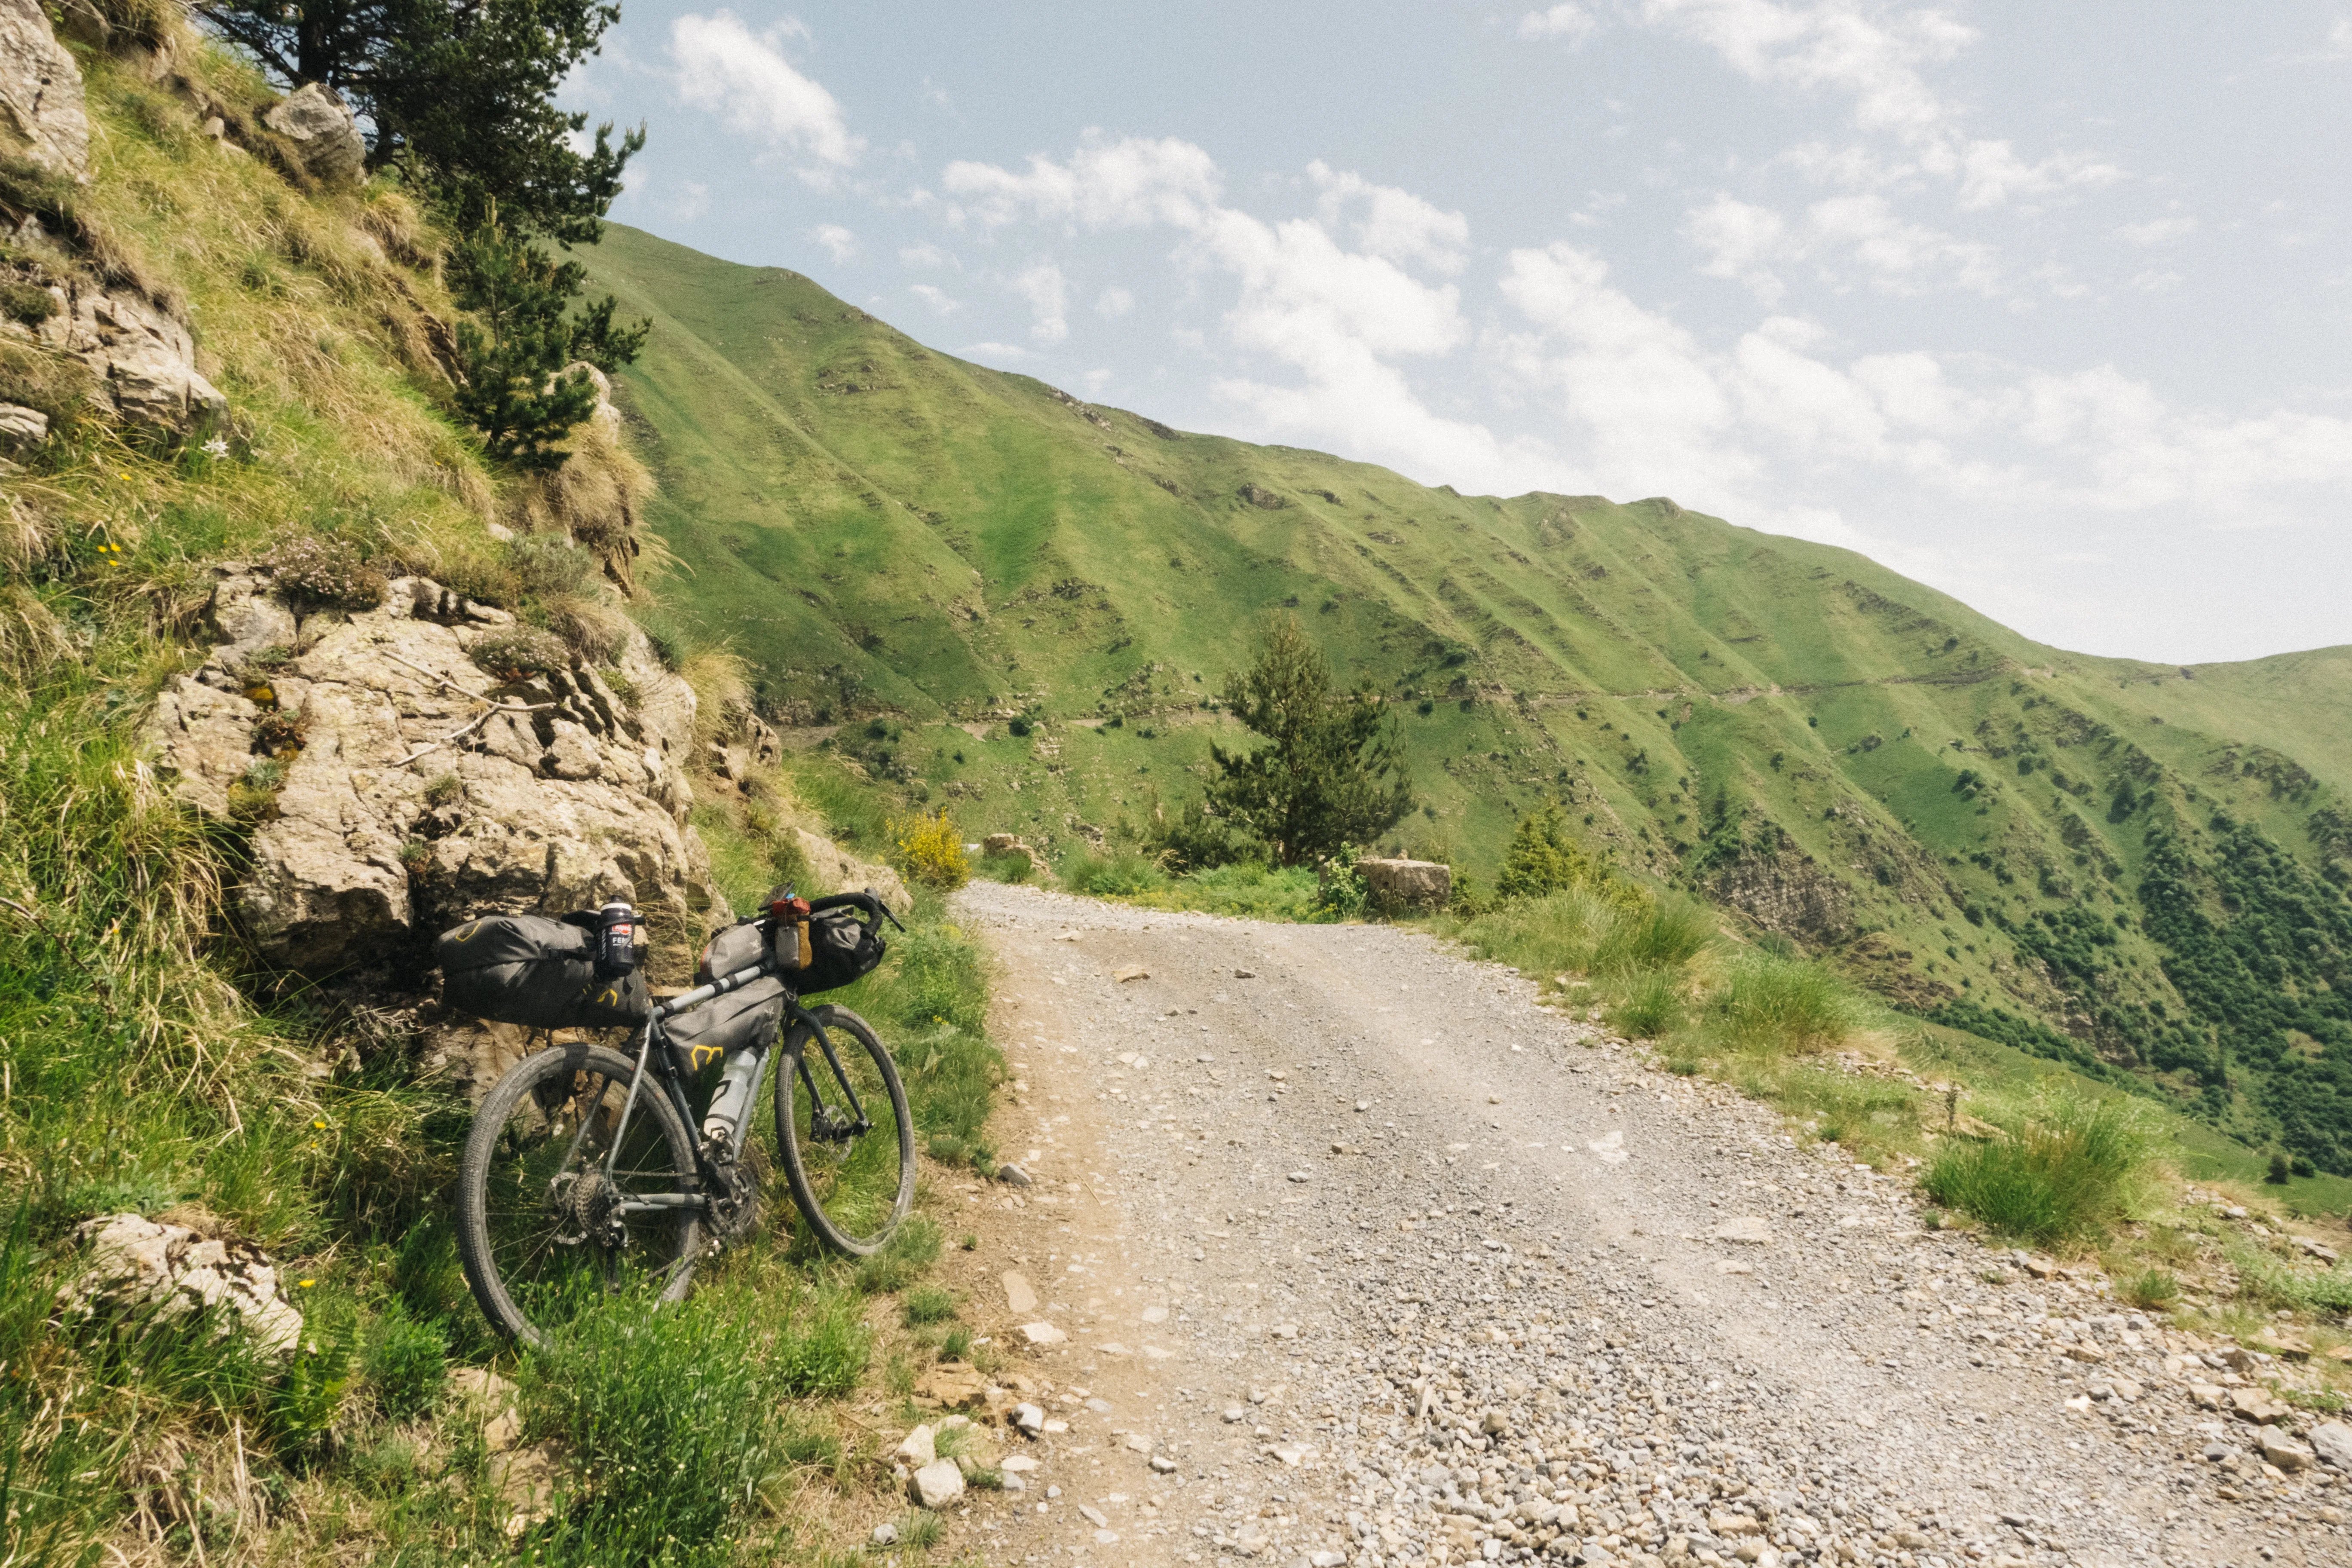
[936, 297]
[1395, 225]
[1848, 239]
[1879, 56]
[693, 199]
[1332, 315]
[2159, 231]
[1047, 291]
[838, 242]
[2340, 40]
[1114, 303]
[1096, 380]
[1565, 21]
[725, 69]
[925, 255]
[1127, 185]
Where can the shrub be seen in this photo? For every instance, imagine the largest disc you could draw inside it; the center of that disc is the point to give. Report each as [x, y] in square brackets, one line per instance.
[1341, 890]
[931, 849]
[2279, 1172]
[26, 303]
[928, 1304]
[407, 1364]
[1775, 1004]
[2268, 1281]
[1544, 857]
[1194, 841]
[667, 1419]
[1114, 874]
[1012, 868]
[320, 572]
[2152, 1289]
[1648, 1005]
[902, 1259]
[520, 653]
[2057, 1176]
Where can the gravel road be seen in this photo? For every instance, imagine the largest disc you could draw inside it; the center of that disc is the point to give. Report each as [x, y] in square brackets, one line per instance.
[1362, 1257]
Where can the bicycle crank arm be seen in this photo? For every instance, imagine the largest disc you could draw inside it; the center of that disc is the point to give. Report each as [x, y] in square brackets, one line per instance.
[655, 1201]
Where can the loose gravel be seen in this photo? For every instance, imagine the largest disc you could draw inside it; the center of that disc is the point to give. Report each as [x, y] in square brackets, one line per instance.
[1346, 1251]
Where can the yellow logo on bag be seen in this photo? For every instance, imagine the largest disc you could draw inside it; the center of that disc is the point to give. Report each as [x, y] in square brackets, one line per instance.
[697, 1057]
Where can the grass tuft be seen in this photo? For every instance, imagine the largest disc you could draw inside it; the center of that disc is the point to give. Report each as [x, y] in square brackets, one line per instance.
[2059, 1174]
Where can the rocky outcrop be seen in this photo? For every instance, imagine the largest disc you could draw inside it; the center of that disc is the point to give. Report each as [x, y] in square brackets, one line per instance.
[22, 429]
[395, 787]
[833, 870]
[327, 141]
[42, 117]
[1394, 886]
[142, 1264]
[144, 358]
[1013, 844]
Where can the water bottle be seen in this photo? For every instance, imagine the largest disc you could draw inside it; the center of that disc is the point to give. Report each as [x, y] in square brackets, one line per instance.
[616, 939]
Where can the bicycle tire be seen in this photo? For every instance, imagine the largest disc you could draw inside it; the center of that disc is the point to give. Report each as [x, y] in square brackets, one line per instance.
[503, 1182]
[840, 1193]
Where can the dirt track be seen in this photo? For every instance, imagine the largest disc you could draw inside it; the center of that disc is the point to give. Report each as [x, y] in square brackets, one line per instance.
[1364, 1258]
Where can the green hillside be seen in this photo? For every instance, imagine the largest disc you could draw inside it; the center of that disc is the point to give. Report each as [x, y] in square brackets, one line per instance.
[2137, 868]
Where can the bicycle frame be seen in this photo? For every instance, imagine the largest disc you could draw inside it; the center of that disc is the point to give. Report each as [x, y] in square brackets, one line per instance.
[672, 1084]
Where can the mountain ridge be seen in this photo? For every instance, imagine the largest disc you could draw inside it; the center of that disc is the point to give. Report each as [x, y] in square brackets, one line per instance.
[922, 549]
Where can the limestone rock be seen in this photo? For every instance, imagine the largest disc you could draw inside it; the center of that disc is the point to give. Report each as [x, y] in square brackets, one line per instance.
[936, 1485]
[917, 1449]
[2283, 1451]
[1013, 844]
[835, 869]
[140, 1263]
[384, 822]
[2332, 1439]
[21, 428]
[145, 358]
[326, 137]
[41, 108]
[1407, 884]
[1020, 1296]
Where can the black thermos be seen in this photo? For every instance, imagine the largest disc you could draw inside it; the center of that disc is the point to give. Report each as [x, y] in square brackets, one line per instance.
[616, 939]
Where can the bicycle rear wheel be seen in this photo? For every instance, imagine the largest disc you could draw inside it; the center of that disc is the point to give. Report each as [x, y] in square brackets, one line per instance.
[536, 1227]
[853, 1185]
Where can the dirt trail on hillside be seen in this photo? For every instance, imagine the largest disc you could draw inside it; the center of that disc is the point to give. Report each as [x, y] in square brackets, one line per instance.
[1364, 1258]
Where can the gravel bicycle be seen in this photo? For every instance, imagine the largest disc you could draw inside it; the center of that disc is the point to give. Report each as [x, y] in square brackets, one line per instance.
[587, 1172]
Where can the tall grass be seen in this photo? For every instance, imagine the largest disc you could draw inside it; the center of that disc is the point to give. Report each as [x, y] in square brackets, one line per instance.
[1776, 1004]
[2058, 1172]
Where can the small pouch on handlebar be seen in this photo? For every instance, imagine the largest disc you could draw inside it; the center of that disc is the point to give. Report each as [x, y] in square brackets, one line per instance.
[541, 973]
[737, 1021]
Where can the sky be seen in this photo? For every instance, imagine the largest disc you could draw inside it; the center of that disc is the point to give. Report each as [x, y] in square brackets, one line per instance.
[2047, 306]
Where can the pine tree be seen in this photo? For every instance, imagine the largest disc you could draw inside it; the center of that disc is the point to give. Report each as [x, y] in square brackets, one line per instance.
[1332, 774]
[514, 346]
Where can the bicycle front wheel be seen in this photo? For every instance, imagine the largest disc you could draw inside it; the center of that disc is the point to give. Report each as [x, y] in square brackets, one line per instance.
[548, 1217]
[846, 1133]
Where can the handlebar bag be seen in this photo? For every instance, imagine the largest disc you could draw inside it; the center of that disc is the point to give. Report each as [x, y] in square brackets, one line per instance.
[735, 1022]
[841, 948]
[538, 973]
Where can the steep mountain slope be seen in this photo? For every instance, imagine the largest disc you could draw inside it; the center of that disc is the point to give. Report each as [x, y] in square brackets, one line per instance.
[2135, 866]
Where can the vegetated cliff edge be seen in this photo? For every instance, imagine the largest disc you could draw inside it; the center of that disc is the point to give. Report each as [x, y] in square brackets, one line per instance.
[2138, 868]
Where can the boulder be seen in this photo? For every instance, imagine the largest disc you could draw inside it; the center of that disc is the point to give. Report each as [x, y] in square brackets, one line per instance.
[1012, 844]
[421, 791]
[42, 117]
[144, 358]
[1397, 885]
[137, 1263]
[326, 137]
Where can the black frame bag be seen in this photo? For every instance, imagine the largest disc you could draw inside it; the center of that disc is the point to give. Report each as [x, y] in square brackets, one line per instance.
[736, 1022]
[538, 973]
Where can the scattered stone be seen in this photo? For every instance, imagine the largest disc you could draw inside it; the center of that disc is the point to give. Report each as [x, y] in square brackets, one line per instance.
[1043, 1333]
[917, 1448]
[1020, 1296]
[2333, 1440]
[2285, 1452]
[935, 1485]
[1163, 1464]
[525, 1479]
[1094, 1515]
[138, 1263]
[325, 136]
[1029, 1418]
[1132, 972]
[1245, 975]
[1013, 1175]
[1748, 1229]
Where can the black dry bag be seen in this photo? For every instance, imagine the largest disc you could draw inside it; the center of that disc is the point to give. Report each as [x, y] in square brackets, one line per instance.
[541, 973]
